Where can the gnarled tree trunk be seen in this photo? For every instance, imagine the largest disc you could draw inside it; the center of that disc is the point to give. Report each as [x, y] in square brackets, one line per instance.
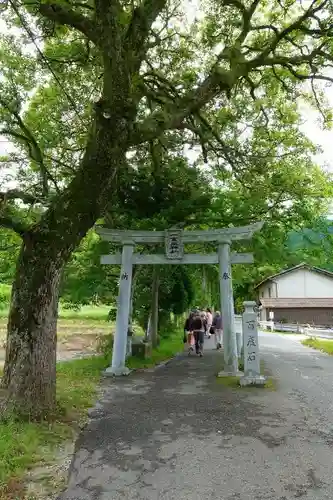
[30, 366]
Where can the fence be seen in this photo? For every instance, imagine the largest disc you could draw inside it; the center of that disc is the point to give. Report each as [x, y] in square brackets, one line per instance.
[238, 323]
[305, 329]
[239, 333]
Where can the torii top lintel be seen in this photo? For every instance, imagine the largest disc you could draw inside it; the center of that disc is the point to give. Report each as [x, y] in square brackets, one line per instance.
[153, 237]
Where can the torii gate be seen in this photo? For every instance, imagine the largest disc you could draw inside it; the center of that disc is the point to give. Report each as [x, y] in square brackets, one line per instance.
[174, 240]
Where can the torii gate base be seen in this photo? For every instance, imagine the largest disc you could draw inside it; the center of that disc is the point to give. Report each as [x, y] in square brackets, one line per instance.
[174, 240]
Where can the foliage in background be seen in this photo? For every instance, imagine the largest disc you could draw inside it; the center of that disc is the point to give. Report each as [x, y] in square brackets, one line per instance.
[5, 293]
[276, 247]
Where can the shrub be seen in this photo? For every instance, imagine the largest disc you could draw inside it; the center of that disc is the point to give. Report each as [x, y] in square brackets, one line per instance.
[112, 314]
[5, 293]
[105, 345]
[72, 306]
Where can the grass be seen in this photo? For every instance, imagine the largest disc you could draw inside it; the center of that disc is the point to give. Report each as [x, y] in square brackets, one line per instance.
[76, 384]
[25, 444]
[319, 344]
[87, 313]
[166, 350]
[234, 382]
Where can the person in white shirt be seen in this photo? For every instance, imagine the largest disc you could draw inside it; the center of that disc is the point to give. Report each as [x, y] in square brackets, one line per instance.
[209, 319]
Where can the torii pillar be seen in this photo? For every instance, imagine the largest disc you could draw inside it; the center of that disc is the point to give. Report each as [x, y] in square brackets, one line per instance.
[227, 309]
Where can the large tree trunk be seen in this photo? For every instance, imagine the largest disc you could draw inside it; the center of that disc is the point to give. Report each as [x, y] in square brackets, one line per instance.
[30, 366]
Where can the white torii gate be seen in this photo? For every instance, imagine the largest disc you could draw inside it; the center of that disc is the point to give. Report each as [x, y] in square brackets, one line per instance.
[174, 240]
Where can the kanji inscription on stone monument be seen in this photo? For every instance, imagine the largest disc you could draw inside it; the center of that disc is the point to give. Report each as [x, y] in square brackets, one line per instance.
[251, 352]
[251, 347]
[251, 341]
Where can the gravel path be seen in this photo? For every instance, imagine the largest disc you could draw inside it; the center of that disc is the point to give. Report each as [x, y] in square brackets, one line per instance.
[178, 434]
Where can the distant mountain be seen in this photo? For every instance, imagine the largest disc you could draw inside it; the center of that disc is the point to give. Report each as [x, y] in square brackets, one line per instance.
[308, 237]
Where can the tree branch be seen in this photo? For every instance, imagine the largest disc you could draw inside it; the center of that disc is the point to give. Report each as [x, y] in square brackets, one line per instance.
[35, 151]
[246, 15]
[16, 194]
[14, 224]
[296, 25]
[142, 20]
[172, 115]
[67, 16]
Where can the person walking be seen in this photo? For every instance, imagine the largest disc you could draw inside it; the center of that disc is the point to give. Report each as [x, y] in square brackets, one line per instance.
[188, 334]
[218, 329]
[198, 329]
[209, 319]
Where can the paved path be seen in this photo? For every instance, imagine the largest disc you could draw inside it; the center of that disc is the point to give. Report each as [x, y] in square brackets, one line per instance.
[178, 434]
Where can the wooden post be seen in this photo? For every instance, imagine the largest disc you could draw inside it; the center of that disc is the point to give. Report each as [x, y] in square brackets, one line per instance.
[204, 285]
[239, 334]
[148, 328]
[124, 298]
[154, 308]
[135, 273]
[227, 309]
[130, 314]
[252, 374]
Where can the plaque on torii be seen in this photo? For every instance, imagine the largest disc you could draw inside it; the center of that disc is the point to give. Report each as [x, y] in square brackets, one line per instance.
[174, 247]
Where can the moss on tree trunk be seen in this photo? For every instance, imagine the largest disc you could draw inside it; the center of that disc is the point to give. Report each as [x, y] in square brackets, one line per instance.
[30, 365]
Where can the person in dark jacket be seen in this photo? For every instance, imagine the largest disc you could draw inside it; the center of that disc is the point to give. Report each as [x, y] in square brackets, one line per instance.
[188, 334]
[198, 329]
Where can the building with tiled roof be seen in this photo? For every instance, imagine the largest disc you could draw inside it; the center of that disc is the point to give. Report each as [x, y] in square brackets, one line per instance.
[302, 294]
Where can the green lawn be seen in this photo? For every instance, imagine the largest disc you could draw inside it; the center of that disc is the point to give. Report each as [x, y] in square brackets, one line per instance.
[23, 444]
[234, 382]
[320, 344]
[166, 350]
[91, 313]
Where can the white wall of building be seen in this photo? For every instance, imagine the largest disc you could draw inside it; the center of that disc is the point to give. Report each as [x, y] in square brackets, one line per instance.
[300, 283]
[268, 290]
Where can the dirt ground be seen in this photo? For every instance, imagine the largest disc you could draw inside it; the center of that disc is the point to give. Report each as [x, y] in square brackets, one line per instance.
[76, 338]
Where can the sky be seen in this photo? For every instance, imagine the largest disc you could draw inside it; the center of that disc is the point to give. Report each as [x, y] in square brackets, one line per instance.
[314, 130]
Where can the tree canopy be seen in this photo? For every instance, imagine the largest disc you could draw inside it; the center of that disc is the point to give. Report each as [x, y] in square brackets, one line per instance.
[226, 81]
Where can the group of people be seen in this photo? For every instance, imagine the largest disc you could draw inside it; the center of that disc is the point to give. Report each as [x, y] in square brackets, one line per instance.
[200, 324]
